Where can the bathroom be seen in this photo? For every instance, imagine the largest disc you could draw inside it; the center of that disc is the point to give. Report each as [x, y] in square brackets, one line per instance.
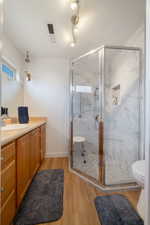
[74, 123]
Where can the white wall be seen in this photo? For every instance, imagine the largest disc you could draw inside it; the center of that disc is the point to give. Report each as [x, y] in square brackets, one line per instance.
[12, 91]
[47, 95]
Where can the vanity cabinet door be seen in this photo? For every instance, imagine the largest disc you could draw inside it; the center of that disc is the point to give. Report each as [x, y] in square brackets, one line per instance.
[34, 151]
[8, 210]
[8, 184]
[43, 141]
[23, 166]
[8, 181]
[8, 154]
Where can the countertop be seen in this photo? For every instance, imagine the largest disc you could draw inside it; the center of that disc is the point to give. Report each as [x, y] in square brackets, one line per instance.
[8, 136]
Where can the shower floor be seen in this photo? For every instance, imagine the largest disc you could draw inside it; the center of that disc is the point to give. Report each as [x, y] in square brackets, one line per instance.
[87, 164]
[116, 172]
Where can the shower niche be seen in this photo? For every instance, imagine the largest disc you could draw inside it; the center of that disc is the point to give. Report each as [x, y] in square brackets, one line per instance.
[116, 95]
[105, 115]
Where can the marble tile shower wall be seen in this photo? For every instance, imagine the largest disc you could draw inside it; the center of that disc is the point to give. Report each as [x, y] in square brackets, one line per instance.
[121, 121]
[86, 108]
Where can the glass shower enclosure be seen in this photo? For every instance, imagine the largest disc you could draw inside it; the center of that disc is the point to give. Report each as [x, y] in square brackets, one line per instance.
[105, 115]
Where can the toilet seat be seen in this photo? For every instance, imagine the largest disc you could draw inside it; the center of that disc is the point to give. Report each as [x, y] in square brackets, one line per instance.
[138, 169]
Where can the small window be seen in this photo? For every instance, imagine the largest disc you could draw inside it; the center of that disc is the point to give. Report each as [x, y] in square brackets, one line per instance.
[9, 71]
[83, 89]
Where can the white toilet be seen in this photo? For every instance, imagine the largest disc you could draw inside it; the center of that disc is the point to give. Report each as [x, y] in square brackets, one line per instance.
[138, 169]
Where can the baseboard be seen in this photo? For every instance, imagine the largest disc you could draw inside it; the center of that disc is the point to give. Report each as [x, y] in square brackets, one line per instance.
[56, 155]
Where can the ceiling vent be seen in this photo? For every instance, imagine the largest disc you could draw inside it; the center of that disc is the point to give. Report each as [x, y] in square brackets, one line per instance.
[51, 33]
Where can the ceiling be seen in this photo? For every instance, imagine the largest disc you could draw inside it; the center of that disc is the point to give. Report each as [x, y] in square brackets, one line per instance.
[101, 22]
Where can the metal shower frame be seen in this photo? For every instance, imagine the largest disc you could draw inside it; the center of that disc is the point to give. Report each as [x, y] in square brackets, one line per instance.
[101, 54]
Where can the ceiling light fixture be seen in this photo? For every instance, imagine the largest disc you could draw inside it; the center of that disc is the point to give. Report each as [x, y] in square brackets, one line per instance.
[27, 62]
[27, 57]
[74, 21]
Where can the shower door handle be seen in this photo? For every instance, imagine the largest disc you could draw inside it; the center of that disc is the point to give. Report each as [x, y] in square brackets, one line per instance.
[98, 118]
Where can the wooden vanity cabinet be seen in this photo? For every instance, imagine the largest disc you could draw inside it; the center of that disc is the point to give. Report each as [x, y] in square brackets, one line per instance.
[8, 183]
[43, 141]
[20, 161]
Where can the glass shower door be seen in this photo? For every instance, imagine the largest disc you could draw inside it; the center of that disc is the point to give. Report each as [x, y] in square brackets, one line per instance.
[85, 113]
[121, 113]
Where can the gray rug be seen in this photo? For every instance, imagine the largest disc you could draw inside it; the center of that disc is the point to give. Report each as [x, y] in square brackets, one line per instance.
[43, 202]
[116, 210]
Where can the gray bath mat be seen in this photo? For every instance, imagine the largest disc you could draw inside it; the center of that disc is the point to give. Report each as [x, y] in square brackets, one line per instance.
[43, 202]
[116, 210]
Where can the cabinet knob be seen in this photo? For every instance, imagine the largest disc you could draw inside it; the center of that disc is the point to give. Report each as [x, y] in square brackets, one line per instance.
[2, 189]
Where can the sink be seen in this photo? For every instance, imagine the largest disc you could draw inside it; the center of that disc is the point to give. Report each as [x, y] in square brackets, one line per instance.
[14, 127]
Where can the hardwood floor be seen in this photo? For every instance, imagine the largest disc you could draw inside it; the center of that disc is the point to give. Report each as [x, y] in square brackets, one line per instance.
[79, 208]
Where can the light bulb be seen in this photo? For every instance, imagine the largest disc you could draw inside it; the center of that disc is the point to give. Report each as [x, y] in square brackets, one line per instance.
[75, 29]
[73, 5]
[72, 44]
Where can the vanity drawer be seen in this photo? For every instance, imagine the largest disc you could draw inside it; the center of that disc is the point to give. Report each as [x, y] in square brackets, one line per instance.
[8, 181]
[8, 210]
[8, 154]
